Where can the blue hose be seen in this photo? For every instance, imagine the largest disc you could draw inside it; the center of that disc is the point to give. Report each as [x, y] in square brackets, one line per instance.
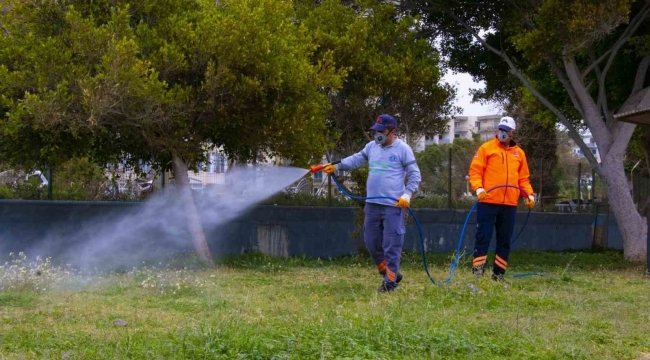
[457, 257]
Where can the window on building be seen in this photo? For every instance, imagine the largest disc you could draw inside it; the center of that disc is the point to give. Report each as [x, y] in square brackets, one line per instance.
[439, 137]
[217, 163]
[594, 151]
[318, 176]
[477, 125]
[456, 136]
[457, 124]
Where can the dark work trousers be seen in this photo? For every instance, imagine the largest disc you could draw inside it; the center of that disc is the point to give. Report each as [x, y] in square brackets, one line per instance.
[488, 217]
[384, 238]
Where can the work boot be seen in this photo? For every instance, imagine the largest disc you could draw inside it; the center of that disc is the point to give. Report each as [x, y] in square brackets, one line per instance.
[386, 287]
[478, 270]
[498, 277]
[398, 278]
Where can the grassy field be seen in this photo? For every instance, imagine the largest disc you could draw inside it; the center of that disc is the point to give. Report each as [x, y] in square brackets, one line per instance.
[591, 305]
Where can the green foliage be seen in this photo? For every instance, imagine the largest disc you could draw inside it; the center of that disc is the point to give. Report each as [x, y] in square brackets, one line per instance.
[30, 189]
[79, 179]
[302, 199]
[572, 26]
[538, 139]
[636, 152]
[388, 68]
[359, 177]
[441, 202]
[6, 192]
[434, 166]
[535, 35]
[144, 79]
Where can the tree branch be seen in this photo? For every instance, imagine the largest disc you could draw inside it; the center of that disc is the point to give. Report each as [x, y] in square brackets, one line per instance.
[563, 79]
[602, 97]
[617, 45]
[641, 72]
[631, 29]
[592, 114]
[524, 18]
[595, 63]
[573, 133]
[621, 140]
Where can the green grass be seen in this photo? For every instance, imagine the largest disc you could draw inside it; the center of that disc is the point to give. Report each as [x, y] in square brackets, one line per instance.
[592, 305]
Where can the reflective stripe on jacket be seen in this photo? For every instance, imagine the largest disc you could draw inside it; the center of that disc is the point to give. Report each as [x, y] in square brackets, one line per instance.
[494, 165]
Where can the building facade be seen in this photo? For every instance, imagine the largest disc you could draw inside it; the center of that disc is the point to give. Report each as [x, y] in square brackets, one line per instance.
[462, 127]
[591, 144]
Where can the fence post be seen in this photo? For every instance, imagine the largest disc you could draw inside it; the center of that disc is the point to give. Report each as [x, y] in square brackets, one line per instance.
[593, 187]
[329, 181]
[541, 183]
[450, 205]
[49, 183]
[329, 190]
[579, 188]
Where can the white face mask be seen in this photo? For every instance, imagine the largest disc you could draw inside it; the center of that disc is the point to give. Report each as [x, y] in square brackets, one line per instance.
[380, 138]
[503, 136]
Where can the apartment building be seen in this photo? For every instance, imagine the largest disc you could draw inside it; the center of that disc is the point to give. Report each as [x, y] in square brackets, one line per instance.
[462, 127]
[591, 144]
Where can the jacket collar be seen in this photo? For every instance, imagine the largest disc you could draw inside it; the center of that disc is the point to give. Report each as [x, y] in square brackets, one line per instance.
[513, 144]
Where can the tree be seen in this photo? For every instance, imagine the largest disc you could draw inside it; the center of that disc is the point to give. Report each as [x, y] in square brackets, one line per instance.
[539, 141]
[434, 166]
[570, 56]
[42, 121]
[158, 80]
[388, 68]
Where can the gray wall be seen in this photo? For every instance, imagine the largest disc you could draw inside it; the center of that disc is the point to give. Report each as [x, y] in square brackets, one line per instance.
[49, 228]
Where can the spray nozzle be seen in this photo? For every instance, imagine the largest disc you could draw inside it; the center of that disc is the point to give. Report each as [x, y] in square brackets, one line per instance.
[317, 168]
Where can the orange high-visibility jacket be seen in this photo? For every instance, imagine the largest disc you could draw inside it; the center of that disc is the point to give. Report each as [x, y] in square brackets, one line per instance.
[494, 165]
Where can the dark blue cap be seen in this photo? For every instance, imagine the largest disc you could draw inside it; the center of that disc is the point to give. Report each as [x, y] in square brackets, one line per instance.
[384, 122]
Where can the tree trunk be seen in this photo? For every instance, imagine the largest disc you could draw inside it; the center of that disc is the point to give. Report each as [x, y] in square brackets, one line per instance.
[187, 200]
[631, 224]
[612, 145]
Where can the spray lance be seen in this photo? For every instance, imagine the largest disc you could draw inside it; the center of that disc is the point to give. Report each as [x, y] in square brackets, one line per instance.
[317, 168]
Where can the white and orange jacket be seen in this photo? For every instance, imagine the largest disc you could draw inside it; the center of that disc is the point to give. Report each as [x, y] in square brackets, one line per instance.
[494, 165]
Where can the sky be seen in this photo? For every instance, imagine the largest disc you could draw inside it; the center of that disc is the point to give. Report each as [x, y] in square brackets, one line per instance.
[463, 82]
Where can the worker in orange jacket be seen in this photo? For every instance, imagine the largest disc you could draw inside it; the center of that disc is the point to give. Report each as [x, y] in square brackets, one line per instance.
[498, 162]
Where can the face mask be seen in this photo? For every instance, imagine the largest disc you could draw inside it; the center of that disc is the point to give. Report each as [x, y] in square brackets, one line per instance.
[503, 136]
[380, 138]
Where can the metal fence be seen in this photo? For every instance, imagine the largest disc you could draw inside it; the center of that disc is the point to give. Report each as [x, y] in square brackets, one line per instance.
[559, 186]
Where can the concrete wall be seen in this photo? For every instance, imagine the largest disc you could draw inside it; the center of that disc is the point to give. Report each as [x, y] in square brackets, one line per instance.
[51, 227]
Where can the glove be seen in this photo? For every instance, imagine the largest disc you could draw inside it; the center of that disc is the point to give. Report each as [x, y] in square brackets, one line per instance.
[481, 194]
[530, 202]
[329, 169]
[404, 201]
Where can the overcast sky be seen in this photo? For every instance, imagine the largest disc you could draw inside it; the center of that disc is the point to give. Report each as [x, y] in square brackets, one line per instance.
[464, 83]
